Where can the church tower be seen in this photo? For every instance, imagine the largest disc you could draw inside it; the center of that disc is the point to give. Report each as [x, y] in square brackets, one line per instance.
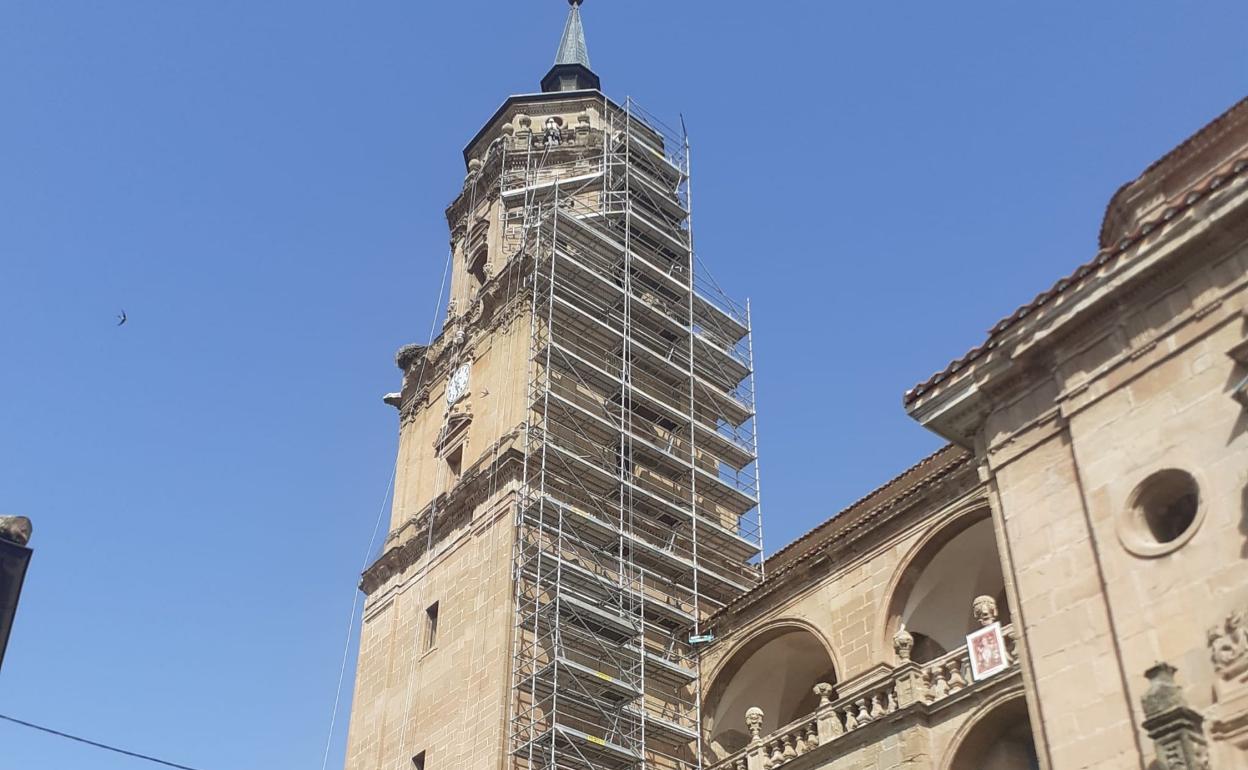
[576, 488]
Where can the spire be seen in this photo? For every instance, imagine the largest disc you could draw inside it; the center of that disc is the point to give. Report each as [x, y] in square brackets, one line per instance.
[572, 48]
[571, 71]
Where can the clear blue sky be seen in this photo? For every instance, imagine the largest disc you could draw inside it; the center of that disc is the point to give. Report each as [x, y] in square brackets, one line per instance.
[260, 186]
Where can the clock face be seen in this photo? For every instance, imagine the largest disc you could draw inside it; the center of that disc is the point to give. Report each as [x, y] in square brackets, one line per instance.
[457, 384]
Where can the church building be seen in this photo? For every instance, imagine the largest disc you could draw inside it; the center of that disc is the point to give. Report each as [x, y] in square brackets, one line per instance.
[573, 576]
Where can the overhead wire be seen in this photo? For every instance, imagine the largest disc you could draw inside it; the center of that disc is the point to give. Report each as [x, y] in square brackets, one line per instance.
[95, 744]
[458, 342]
[346, 651]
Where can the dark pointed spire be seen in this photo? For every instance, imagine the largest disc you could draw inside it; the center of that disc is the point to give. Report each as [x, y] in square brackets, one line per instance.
[572, 71]
[572, 48]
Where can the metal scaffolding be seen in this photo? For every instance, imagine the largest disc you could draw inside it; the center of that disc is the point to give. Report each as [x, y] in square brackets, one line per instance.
[638, 512]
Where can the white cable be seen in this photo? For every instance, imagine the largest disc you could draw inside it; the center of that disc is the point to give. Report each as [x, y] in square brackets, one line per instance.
[372, 541]
[355, 602]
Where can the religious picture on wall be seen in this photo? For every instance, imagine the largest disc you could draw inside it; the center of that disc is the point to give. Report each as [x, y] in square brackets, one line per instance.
[987, 651]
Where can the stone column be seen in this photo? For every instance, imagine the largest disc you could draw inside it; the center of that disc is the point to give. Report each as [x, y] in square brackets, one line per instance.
[756, 759]
[1176, 730]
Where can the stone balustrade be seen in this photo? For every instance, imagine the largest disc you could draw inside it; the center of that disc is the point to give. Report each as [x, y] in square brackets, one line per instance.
[947, 674]
[904, 687]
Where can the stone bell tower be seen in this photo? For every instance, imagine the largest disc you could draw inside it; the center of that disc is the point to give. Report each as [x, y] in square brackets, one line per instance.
[576, 489]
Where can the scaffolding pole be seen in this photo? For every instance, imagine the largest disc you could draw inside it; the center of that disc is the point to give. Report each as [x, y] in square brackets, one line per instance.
[637, 513]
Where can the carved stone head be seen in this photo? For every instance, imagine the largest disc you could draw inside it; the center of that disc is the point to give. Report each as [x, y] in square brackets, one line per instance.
[754, 720]
[985, 610]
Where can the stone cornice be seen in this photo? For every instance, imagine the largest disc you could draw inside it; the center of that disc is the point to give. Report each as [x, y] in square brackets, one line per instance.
[501, 300]
[510, 151]
[955, 404]
[404, 546]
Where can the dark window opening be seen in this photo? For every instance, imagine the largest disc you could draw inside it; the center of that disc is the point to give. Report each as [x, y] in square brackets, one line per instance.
[431, 628]
[418, 761]
[1174, 519]
[455, 461]
[1167, 501]
[477, 267]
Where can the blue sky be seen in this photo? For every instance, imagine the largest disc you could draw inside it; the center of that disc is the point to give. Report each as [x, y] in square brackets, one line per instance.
[260, 186]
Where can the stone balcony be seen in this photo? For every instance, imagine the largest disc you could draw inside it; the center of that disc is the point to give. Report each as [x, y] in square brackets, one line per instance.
[873, 708]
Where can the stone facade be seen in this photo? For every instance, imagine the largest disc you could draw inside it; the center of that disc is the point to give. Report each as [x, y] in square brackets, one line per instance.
[1103, 418]
[867, 617]
[1065, 585]
[575, 486]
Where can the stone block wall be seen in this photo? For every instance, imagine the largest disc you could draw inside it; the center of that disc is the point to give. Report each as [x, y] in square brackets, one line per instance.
[449, 701]
[1140, 390]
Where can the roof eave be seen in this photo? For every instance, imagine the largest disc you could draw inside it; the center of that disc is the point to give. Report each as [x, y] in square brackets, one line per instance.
[533, 98]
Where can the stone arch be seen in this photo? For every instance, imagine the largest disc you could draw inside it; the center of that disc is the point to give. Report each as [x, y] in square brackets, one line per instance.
[933, 587]
[775, 668]
[996, 736]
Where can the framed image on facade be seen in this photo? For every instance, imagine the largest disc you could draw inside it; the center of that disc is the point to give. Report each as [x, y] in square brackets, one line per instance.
[987, 651]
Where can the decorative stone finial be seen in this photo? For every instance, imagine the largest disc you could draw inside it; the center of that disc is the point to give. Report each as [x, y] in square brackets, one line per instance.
[474, 165]
[754, 721]
[1162, 692]
[903, 644]
[824, 691]
[1176, 730]
[985, 610]
[15, 529]
[575, 2]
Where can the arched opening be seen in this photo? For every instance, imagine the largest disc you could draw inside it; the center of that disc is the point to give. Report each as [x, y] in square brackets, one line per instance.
[777, 672]
[1000, 740]
[935, 595]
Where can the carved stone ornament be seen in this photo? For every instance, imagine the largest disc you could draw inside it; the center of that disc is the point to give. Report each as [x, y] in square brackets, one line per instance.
[824, 691]
[15, 529]
[1163, 693]
[1228, 651]
[903, 643]
[1177, 731]
[985, 610]
[1228, 645]
[754, 721]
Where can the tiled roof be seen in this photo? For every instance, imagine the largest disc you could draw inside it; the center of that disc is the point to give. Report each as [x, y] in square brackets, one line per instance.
[1173, 207]
[931, 469]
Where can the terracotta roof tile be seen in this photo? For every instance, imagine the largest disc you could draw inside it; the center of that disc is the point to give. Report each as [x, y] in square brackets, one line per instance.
[1175, 206]
[936, 466]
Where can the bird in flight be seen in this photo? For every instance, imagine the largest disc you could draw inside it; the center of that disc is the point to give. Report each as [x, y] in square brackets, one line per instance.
[121, 319]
